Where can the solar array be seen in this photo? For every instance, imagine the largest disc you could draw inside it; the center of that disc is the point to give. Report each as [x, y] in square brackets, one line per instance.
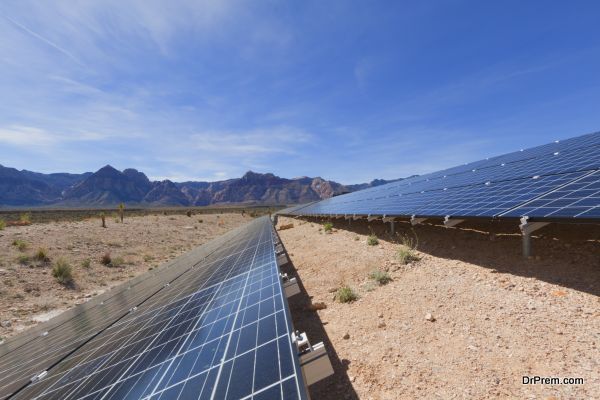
[558, 180]
[214, 324]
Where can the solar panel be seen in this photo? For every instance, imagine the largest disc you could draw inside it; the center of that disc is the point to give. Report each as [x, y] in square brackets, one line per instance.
[578, 199]
[486, 188]
[220, 330]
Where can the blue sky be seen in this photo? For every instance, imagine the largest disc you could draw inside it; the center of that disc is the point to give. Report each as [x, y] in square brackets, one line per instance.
[349, 91]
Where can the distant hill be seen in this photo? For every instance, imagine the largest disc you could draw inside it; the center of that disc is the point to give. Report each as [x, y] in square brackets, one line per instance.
[109, 186]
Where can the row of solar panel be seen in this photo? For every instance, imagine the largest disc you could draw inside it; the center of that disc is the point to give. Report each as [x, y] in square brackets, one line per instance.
[559, 180]
[220, 329]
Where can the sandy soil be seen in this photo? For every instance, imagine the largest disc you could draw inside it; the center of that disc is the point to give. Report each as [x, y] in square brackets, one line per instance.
[29, 294]
[496, 316]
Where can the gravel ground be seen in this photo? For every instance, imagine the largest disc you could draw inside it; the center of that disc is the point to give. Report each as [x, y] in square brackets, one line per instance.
[29, 294]
[466, 321]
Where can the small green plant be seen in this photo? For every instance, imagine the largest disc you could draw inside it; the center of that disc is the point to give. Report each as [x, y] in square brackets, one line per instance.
[117, 262]
[41, 255]
[381, 277]
[327, 227]
[25, 218]
[20, 244]
[62, 272]
[406, 255]
[106, 259]
[372, 240]
[86, 263]
[2, 224]
[345, 294]
[23, 259]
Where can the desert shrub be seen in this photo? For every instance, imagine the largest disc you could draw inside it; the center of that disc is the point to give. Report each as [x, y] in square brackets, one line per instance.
[106, 259]
[2, 224]
[345, 294]
[372, 240]
[62, 272]
[200, 220]
[41, 255]
[20, 244]
[23, 259]
[406, 255]
[121, 211]
[189, 213]
[86, 263]
[117, 262]
[381, 277]
[327, 226]
[25, 218]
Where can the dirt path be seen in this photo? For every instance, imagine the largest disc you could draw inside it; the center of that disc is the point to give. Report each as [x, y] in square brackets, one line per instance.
[29, 294]
[495, 317]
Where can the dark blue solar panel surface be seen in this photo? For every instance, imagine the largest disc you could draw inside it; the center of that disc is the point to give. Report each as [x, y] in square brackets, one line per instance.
[579, 199]
[486, 188]
[221, 331]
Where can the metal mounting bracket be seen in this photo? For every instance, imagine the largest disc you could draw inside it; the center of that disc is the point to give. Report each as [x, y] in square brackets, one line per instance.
[416, 221]
[388, 219]
[527, 228]
[372, 217]
[314, 360]
[449, 222]
[290, 285]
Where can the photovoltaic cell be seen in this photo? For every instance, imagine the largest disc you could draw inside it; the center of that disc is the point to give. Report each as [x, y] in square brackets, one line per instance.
[499, 184]
[578, 199]
[222, 331]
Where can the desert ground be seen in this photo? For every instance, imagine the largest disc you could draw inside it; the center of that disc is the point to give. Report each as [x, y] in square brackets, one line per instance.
[466, 321]
[30, 294]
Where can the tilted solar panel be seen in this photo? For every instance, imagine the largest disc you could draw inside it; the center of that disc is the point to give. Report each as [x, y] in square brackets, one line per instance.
[487, 188]
[578, 199]
[220, 330]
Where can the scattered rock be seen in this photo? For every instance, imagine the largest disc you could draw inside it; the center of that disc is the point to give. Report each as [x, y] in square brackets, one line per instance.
[287, 226]
[316, 306]
[346, 336]
[6, 324]
[381, 325]
[332, 290]
[429, 317]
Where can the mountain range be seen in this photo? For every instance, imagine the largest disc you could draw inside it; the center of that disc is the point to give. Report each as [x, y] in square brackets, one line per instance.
[109, 186]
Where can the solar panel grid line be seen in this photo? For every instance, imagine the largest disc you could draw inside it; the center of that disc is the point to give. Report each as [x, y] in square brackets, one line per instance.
[198, 319]
[124, 372]
[578, 199]
[558, 188]
[227, 345]
[53, 348]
